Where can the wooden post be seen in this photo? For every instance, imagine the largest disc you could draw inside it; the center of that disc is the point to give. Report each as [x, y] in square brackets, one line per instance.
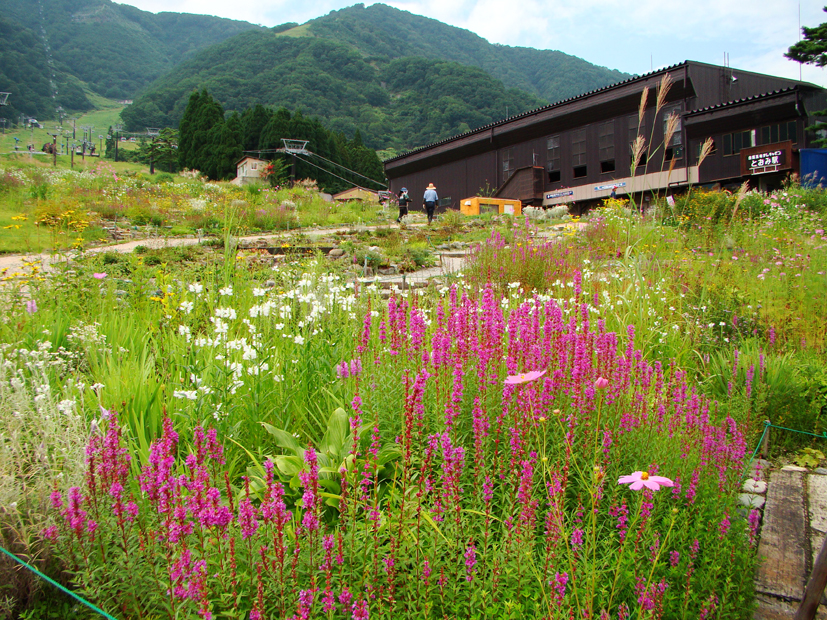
[815, 587]
[765, 447]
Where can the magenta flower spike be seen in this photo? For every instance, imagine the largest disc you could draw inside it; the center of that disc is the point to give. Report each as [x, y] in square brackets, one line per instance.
[640, 479]
[525, 377]
[99, 276]
[31, 306]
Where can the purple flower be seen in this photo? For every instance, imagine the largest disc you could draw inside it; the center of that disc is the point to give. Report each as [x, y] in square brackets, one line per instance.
[601, 383]
[342, 370]
[470, 562]
[31, 306]
[99, 276]
[360, 610]
[247, 518]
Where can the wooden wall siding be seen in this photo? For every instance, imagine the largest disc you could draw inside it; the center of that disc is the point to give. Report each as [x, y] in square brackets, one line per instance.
[526, 185]
[714, 84]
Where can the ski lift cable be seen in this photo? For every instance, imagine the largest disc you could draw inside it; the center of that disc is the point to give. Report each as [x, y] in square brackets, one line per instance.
[309, 163]
[348, 169]
[381, 184]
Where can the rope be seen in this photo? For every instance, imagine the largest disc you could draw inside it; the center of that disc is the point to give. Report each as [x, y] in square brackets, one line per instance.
[767, 426]
[57, 585]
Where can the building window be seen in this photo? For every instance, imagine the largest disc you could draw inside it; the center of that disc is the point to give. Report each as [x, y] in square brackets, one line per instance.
[734, 142]
[578, 153]
[606, 146]
[553, 159]
[779, 133]
[508, 163]
[677, 136]
[444, 202]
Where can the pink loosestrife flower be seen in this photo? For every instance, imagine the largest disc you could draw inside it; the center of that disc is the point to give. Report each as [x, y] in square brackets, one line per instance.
[31, 306]
[99, 276]
[640, 479]
[526, 377]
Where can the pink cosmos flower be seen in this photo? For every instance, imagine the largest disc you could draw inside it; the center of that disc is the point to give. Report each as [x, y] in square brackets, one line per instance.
[525, 377]
[640, 479]
[99, 276]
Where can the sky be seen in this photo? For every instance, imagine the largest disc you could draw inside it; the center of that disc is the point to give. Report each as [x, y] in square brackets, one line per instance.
[634, 36]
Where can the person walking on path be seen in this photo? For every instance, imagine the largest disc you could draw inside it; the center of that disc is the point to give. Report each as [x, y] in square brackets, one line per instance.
[404, 201]
[429, 201]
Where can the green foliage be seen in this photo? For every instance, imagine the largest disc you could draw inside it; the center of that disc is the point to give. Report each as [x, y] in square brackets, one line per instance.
[809, 457]
[115, 48]
[812, 50]
[360, 70]
[383, 32]
[37, 86]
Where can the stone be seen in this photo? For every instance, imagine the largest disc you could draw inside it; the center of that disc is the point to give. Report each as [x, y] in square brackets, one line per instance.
[336, 253]
[821, 471]
[793, 468]
[817, 488]
[270, 284]
[750, 500]
[755, 486]
[783, 549]
[388, 271]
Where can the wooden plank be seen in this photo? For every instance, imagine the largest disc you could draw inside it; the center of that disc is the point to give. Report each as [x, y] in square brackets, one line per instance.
[784, 546]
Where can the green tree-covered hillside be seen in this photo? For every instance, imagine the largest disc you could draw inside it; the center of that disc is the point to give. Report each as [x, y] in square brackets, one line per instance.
[399, 104]
[382, 33]
[37, 83]
[115, 48]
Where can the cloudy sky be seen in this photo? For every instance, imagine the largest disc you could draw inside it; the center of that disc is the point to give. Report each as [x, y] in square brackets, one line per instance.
[634, 36]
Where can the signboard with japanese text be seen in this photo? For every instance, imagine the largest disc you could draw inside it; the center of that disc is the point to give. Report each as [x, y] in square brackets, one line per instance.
[559, 194]
[600, 188]
[767, 158]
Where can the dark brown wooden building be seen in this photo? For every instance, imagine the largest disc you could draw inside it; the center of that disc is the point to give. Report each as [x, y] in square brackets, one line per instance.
[577, 150]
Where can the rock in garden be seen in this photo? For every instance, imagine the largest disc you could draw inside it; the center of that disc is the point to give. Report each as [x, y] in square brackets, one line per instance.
[270, 284]
[751, 501]
[793, 468]
[388, 271]
[755, 486]
[820, 470]
[336, 253]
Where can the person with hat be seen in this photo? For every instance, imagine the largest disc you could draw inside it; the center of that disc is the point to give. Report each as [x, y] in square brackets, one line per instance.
[404, 201]
[429, 201]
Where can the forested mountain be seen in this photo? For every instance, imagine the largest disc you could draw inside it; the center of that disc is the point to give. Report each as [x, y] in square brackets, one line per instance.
[115, 48]
[403, 80]
[381, 33]
[36, 82]
[397, 104]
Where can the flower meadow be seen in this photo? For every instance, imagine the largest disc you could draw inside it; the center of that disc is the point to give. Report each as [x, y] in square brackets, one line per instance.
[559, 431]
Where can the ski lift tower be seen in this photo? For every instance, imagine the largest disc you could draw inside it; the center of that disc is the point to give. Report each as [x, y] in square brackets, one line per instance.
[4, 98]
[294, 147]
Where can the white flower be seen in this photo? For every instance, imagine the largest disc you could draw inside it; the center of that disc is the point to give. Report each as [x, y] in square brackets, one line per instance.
[298, 339]
[184, 330]
[226, 313]
[96, 386]
[226, 291]
[196, 288]
[259, 292]
[188, 394]
[66, 406]
[186, 306]
[278, 378]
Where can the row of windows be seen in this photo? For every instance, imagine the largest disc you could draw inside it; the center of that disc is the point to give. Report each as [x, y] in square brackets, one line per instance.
[733, 143]
[605, 147]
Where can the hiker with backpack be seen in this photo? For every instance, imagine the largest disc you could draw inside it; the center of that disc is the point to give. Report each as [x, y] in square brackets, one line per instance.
[404, 201]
